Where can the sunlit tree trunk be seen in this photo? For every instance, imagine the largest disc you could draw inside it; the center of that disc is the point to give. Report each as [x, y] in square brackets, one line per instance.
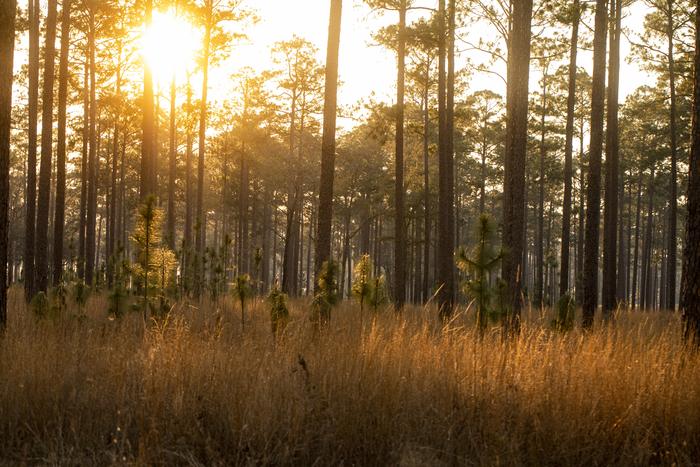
[59, 213]
[172, 167]
[690, 283]
[400, 251]
[7, 47]
[612, 164]
[515, 153]
[568, 153]
[673, 189]
[592, 234]
[148, 128]
[325, 200]
[446, 229]
[33, 109]
[635, 264]
[200, 222]
[42, 218]
[92, 160]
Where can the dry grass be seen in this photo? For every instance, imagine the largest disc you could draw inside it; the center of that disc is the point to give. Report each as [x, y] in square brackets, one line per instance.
[195, 391]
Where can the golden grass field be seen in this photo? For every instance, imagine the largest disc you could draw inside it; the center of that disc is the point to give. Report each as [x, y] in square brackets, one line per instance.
[196, 391]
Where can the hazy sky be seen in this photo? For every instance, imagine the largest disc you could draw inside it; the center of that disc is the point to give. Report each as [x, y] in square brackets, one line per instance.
[366, 68]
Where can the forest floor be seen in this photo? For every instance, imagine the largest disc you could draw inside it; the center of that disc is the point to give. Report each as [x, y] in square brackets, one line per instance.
[197, 390]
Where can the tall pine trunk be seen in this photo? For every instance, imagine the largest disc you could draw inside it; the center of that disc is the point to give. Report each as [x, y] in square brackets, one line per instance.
[612, 164]
[172, 167]
[592, 234]
[325, 200]
[515, 154]
[33, 95]
[42, 211]
[690, 283]
[92, 160]
[7, 47]
[673, 189]
[59, 214]
[568, 155]
[400, 250]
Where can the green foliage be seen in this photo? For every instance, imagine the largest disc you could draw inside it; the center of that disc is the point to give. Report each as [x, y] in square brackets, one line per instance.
[566, 313]
[362, 280]
[81, 293]
[484, 260]
[118, 296]
[40, 305]
[326, 295]
[59, 299]
[279, 312]
[242, 291]
[154, 269]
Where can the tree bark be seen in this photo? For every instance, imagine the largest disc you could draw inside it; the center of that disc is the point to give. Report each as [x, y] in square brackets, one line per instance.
[172, 167]
[148, 124]
[592, 234]
[612, 165]
[515, 153]
[690, 282]
[92, 161]
[568, 156]
[33, 95]
[59, 214]
[7, 47]
[325, 198]
[400, 250]
[673, 191]
[42, 217]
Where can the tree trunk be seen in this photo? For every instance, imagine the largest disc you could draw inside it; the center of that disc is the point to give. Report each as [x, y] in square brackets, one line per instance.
[515, 153]
[426, 185]
[33, 95]
[635, 265]
[645, 290]
[200, 222]
[92, 161]
[690, 282]
[7, 47]
[446, 175]
[148, 128]
[172, 168]
[325, 198]
[568, 153]
[59, 213]
[592, 235]
[42, 218]
[82, 228]
[400, 250]
[612, 164]
[673, 199]
[539, 243]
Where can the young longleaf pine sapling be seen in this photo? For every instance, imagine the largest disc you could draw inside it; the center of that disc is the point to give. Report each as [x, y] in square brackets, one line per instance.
[242, 291]
[279, 312]
[484, 259]
[326, 294]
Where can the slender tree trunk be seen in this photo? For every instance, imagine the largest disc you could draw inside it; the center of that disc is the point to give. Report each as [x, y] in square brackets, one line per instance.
[33, 95]
[92, 161]
[623, 247]
[200, 223]
[515, 153]
[581, 222]
[325, 199]
[59, 213]
[612, 165]
[42, 218]
[400, 250]
[7, 47]
[172, 167]
[568, 153]
[635, 266]
[445, 253]
[188, 237]
[82, 228]
[673, 200]
[426, 184]
[148, 124]
[539, 274]
[646, 290]
[690, 282]
[592, 236]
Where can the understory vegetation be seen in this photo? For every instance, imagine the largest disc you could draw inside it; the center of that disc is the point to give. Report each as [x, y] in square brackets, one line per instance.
[199, 386]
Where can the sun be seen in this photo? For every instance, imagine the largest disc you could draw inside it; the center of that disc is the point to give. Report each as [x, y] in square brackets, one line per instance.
[169, 45]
